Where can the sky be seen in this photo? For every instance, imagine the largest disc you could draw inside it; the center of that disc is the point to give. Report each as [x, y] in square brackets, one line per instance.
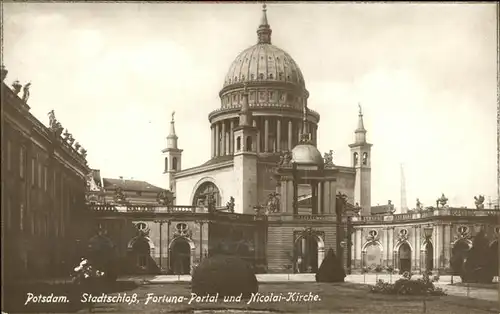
[425, 75]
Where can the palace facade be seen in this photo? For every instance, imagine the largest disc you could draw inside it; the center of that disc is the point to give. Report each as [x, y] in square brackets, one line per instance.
[44, 215]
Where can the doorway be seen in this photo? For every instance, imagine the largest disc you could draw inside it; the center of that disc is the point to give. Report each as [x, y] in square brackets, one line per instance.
[404, 257]
[180, 263]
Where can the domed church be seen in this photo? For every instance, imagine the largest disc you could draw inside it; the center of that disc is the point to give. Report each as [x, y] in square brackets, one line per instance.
[263, 117]
[264, 156]
[268, 195]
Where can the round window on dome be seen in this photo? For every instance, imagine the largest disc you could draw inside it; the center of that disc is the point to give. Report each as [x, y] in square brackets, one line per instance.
[261, 76]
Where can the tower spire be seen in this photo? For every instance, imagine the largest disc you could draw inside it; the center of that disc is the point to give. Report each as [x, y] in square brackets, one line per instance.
[172, 137]
[360, 132]
[305, 137]
[264, 31]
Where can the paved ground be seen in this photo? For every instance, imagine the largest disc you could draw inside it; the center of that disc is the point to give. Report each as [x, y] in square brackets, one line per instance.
[445, 282]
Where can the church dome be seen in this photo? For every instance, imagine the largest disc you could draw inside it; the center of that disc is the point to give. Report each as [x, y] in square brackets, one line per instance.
[307, 154]
[264, 62]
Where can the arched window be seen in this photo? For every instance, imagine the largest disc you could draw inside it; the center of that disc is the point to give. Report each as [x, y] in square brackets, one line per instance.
[204, 193]
[365, 159]
[174, 163]
[355, 159]
[166, 164]
[238, 143]
[249, 144]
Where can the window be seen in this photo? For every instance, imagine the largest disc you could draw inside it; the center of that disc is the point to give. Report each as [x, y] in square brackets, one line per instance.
[238, 143]
[249, 144]
[365, 159]
[174, 163]
[45, 178]
[9, 158]
[271, 95]
[204, 193]
[39, 175]
[33, 170]
[21, 217]
[261, 76]
[22, 161]
[271, 76]
[8, 213]
[166, 164]
[355, 159]
[373, 233]
[262, 96]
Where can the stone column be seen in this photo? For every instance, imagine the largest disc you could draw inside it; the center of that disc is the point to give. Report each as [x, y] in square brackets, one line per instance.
[284, 195]
[326, 198]
[414, 254]
[359, 244]
[217, 139]
[321, 209]
[418, 237]
[289, 196]
[290, 134]
[314, 198]
[447, 245]
[278, 134]
[391, 246]
[231, 137]
[266, 135]
[223, 150]
[436, 248]
[385, 255]
[258, 136]
[212, 129]
[442, 250]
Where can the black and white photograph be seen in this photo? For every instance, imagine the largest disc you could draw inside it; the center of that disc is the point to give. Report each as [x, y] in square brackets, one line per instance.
[206, 157]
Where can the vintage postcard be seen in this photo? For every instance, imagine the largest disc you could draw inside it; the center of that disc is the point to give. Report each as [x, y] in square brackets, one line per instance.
[250, 157]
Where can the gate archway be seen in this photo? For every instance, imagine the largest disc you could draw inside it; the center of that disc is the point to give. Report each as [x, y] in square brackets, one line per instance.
[181, 256]
[458, 255]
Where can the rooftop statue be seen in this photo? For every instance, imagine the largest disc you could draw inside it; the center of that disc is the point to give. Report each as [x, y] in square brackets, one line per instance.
[479, 201]
[273, 202]
[230, 205]
[16, 87]
[26, 92]
[328, 157]
[285, 159]
[419, 205]
[443, 200]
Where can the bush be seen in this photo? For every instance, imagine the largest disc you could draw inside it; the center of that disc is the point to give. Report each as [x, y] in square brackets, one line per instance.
[225, 275]
[407, 286]
[477, 268]
[331, 269]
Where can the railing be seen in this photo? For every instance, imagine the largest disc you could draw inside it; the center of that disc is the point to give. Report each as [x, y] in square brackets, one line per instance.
[148, 209]
[460, 212]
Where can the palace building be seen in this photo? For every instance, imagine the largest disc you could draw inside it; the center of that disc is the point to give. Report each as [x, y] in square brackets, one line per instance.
[44, 171]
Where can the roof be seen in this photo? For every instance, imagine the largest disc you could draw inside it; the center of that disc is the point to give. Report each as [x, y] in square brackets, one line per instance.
[130, 185]
[381, 209]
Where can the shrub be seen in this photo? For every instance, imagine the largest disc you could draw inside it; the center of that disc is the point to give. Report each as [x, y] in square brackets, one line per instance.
[378, 269]
[226, 275]
[331, 269]
[476, 267]
[407, 286]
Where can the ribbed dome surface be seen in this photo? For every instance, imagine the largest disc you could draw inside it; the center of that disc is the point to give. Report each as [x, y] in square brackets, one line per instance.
[264, 62]
[307, 154]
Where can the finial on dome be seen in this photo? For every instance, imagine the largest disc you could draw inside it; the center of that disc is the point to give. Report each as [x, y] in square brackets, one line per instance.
[264, 31]
[360, 111]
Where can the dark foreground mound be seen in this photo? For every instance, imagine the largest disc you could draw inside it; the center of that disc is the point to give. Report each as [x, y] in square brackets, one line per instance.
[331, 269]
[225, 275]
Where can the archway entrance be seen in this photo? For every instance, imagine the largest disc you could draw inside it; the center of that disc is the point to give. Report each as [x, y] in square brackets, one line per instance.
[404, 253]
[429, 256]
[459, 253]
[142, 252]
[306, 248]
[180, 262]
[372, 255]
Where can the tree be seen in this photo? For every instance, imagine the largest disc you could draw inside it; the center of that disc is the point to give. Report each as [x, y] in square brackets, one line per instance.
[331, 269]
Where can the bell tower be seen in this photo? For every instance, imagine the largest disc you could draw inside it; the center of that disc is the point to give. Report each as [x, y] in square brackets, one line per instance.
[245, 160]
[361, 162]
[172, 157]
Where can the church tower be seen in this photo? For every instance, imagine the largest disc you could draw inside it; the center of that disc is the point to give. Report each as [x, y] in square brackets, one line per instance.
[172, 157]
[361, 161]
[245, 160]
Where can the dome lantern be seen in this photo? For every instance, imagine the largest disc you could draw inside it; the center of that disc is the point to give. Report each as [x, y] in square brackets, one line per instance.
[264, 31]
[305, 153]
